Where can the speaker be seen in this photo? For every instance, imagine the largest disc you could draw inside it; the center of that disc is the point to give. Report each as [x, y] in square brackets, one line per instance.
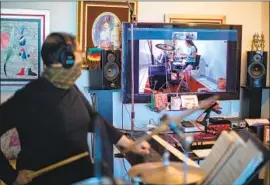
[111, 66]
[256, 69]
[108, 76]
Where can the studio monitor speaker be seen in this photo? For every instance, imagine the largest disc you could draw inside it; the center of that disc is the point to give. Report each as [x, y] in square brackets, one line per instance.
[256, 69]
[111, 65]
[108, 75]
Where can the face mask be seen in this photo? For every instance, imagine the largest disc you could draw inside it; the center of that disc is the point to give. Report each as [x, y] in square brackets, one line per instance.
[62, 77]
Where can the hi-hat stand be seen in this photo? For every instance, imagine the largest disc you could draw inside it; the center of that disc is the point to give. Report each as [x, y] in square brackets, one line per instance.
[132, 23]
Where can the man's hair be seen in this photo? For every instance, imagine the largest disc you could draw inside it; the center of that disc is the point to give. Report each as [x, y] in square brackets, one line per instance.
[52, 44]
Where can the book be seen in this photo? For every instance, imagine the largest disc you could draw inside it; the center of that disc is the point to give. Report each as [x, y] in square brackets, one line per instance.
[232, 160]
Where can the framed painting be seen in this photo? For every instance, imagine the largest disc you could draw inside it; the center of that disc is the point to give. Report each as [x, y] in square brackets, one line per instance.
[22, 34]
[99, 23]
[196, 19]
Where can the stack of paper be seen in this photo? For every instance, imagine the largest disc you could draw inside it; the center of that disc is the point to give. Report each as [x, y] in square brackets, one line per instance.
[231, 160]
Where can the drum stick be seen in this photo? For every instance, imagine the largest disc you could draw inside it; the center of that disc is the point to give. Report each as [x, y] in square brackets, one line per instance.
[57, 165]
[177, 119]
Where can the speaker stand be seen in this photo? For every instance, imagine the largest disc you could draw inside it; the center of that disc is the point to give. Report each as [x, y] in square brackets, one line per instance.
[251, 102]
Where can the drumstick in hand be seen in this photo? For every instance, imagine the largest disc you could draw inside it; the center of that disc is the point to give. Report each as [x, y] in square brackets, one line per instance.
[57, 165]
[178, 119]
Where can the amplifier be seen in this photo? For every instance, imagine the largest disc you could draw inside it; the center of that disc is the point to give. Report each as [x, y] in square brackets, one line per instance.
[219, 127]
[219, 124]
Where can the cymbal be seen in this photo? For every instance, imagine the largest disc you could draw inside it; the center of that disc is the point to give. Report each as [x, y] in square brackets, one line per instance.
[102, 180]
[165, 47]
[157, 173]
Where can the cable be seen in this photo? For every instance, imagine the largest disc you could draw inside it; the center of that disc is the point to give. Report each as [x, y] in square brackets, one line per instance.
[153, 121]
[122, 114]
[125, 168]
[130, 119]
[179, 144]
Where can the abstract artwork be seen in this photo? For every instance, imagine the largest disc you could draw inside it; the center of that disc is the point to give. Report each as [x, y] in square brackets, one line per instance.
[22, 34]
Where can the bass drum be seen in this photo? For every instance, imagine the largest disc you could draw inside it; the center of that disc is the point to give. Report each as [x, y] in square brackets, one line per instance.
[103, 181]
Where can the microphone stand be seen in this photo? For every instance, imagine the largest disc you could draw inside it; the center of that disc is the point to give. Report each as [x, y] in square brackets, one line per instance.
[132, 23]
[207, 116]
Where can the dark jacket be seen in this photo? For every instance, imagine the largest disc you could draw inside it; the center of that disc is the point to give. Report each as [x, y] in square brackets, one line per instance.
[52, 124]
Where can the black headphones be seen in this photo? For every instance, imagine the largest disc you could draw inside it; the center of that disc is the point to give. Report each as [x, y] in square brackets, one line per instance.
[64, 54]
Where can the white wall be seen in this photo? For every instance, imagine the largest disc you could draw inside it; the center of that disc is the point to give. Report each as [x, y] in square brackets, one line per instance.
[63, 14]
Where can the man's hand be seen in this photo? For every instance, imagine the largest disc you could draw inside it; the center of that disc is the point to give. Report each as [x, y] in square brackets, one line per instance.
[142, 148]
[23, 177]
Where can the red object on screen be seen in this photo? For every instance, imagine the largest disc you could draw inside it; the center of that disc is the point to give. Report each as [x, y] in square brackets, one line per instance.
[221, 83]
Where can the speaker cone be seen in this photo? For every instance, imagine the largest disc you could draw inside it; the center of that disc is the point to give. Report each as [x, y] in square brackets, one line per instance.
[257, 58]
[111, 71]
[256, 70]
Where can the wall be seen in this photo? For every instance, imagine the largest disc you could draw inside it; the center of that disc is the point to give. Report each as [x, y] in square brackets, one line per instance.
[248, 14]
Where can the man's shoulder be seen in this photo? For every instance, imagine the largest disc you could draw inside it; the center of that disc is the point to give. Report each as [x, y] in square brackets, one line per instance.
[36, 84]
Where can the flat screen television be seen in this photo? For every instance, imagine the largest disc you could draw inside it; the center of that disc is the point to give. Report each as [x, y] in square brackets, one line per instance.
[181, 59]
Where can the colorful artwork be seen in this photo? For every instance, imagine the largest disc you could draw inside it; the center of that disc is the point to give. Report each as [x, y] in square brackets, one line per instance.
[99, 23]
[106, 31]
[22, 33]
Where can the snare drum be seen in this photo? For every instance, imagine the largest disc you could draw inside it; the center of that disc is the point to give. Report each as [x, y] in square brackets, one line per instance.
[178, 66]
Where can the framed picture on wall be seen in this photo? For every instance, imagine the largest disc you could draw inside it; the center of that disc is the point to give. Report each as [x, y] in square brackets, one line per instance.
[22, 34]
[99, 23]
[197, 19]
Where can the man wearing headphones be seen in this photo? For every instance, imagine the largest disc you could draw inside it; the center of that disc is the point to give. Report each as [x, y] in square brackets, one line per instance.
[52, 118]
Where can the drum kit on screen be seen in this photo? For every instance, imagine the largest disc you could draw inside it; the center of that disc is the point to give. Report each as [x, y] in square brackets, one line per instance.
[168, 69]
[178, 61]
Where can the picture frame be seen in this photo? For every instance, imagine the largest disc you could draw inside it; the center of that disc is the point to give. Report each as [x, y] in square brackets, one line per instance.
[92, 15]
[266, 137]
[22, 34]
[196, 19]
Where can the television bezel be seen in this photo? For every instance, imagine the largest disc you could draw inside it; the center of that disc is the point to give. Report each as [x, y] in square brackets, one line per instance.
[146, 98]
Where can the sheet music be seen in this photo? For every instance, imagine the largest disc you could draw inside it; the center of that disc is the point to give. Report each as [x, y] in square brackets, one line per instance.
[237, 165]
[202, 153]
[222, 145]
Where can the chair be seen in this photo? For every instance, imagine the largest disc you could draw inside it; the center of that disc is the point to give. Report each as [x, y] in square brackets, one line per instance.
[197, 62]
[196, 67]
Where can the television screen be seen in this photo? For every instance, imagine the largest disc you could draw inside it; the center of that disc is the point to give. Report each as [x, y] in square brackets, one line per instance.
[182, 59]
